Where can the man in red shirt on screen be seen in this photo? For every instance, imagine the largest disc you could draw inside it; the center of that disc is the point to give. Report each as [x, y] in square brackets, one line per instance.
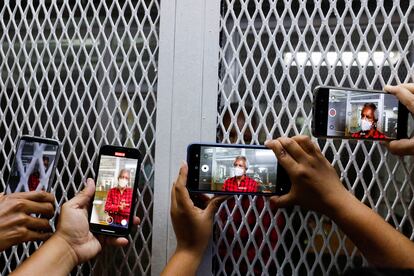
[368, 123]
[240, 182]
[118, 201]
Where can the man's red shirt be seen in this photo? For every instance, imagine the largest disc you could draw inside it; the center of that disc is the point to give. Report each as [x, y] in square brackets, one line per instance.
[113, 201]
[366, 134]
[33, 181]
[247, 185]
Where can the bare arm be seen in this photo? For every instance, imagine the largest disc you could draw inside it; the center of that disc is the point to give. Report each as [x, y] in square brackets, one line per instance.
[72, 243]
[316, 186]
[381, 244]
[55, 257]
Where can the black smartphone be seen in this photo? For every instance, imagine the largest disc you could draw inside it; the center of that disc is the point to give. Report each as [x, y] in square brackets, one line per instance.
[112, 209]
[235, 169]
[34, 165]
[358, 114]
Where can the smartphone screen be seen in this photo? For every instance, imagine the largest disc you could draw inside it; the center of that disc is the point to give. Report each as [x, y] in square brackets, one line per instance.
[34, 165]
[358, 114]
[235, 169]
[115, 195]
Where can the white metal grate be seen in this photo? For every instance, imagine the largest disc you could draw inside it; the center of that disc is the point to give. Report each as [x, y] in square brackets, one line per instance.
[85, 73]
[272, 55]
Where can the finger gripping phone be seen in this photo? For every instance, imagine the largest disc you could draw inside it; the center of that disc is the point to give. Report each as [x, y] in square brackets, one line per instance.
[358, 114]
[34, 165]
[235, 169]
[113, 205]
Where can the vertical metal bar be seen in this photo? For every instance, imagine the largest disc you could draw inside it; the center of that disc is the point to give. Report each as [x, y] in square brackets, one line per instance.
[187, 111]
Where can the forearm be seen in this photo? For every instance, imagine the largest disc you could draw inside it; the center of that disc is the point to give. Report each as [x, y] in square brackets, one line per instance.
[110, 207]
[378, 241]
[183, 262]
[54, 257]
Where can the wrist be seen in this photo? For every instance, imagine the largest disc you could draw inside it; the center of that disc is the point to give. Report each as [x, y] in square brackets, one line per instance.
[189, 256]
[70, 256]
[54, 257]
[338, 203]
[195, 252]
[184, 261]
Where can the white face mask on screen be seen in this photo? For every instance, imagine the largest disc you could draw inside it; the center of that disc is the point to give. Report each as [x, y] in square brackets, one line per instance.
[238, 171]
[122, 183]
[365, 125]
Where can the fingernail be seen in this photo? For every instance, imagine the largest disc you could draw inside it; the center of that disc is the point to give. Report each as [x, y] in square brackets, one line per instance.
[88, 182]
[282, 153]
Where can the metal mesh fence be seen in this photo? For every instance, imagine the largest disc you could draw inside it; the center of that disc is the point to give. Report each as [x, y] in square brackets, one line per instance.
[85, 73]
[272, 55]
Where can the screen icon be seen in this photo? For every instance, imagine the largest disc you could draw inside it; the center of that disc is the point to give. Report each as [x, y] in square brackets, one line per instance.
[205, 168]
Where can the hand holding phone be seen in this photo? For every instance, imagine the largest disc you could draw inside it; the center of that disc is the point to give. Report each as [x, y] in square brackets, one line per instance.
[358, 114]
[192, 227]
[234, 169]
[72, 243]
[315, 183]
[404, 93]
[115, 197]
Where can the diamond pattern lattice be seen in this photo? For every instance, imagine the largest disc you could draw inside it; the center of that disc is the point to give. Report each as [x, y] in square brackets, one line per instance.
[85, 73]
[272, 55]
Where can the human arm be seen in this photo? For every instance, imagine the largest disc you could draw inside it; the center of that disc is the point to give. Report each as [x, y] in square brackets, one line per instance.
[192, 227]
[16, 223]
[72, 243]
[316, 186]
[125, 205]
[110, 207]
[254, 186]
[224, 187]
[405, 94]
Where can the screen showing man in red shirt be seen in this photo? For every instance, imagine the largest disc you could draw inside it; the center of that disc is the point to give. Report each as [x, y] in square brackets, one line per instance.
[368, 123]
[240, 182]
[118, 201]
[34, 178]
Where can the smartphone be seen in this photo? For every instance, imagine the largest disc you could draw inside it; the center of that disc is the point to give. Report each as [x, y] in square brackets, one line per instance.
[358, 114]
[235, 169]
[113, 205]
[34, 165]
